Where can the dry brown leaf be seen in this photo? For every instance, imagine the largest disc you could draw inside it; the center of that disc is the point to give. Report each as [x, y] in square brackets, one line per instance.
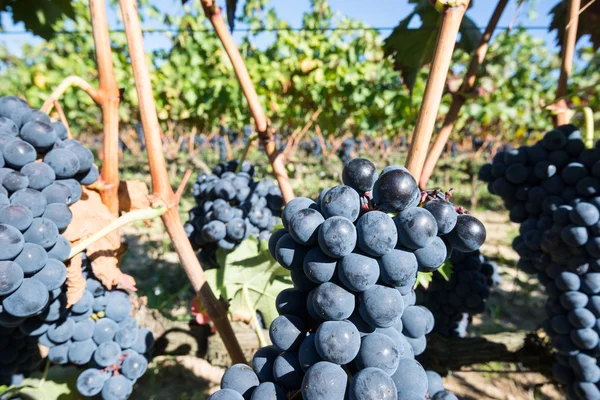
[133, 195]
[89, 216]
[75, 280]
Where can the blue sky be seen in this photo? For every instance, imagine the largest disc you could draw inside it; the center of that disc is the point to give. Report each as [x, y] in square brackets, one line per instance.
[379, 13]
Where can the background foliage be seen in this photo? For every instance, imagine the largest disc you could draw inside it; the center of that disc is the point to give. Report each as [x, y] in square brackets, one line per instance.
[334, 64]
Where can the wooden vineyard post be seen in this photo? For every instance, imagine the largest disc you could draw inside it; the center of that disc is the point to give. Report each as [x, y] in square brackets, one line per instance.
[109, 102]
[216, 308]
[568, 51]
[213, 13]
[444, 47]
[459, 98]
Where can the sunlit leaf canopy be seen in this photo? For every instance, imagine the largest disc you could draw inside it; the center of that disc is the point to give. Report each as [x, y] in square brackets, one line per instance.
[332, 63]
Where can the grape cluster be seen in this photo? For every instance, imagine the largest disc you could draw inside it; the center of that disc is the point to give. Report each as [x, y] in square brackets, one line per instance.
[231, 207]
[352, 309]
[553, 190]
[98, 333]
[346, 149]
[454, 302]
[41, 173]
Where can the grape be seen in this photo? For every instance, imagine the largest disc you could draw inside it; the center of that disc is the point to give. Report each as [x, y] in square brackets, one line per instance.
[226, 394]
[127, 336]
[57, 192]
[444, 214]
[381, 306]
[14, 181]
[11, 242]
[417, 321]
[83, 330]
[431, 257]
[61, 331]
[8, 126]
[286, 332]
[318, 267]
[144, 342]
[61, 250]
[90, 382]
[56, 309]
[337, 341]
[40, 134]
[360, 174]
[83, 154]
[107, 353]
[308, 354]
[583, 214]
[324, 380]
[372, 384]
[105, 330]
[395, 190]
[11, 277]
[291, 301]
[88, 177]
[64, 163]
[81, 352]
[84, 304]
[435, 383]
[74, 188]
[332, 303]
[376, 233]
[295, 205]
[358, 272]
[240, 378]
[289, 253]
[59, 214]
[134, 367]
[59, 354]
[18, 153]
[468, 234]
[410, 376]
[118, 307]
[268, 391]
[262, 363]
[416, 228]
[18, 216]
[398, 267]
[378, 351]
[341, 201]
[287, 371]
[33, 327]
[32, 199]
[52, 275]
[29, 299]
[274, 239]
[337, 237]
[304, 226]
[116, 388]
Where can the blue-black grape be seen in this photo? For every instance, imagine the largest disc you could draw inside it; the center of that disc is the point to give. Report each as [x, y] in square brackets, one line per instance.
[324, 380]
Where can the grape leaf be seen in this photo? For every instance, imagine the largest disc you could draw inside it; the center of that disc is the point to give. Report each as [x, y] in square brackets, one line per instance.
[58, 384]
[250, 279]
[589, 22]
[412, 49]
[38, 16]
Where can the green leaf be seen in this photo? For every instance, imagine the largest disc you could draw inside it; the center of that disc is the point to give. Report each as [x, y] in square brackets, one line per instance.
[423, 279]
[469, 35]
[59, 384]
[38, 16]
[412, 49]
[588, 22]
[250, 268]
[446, 270]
